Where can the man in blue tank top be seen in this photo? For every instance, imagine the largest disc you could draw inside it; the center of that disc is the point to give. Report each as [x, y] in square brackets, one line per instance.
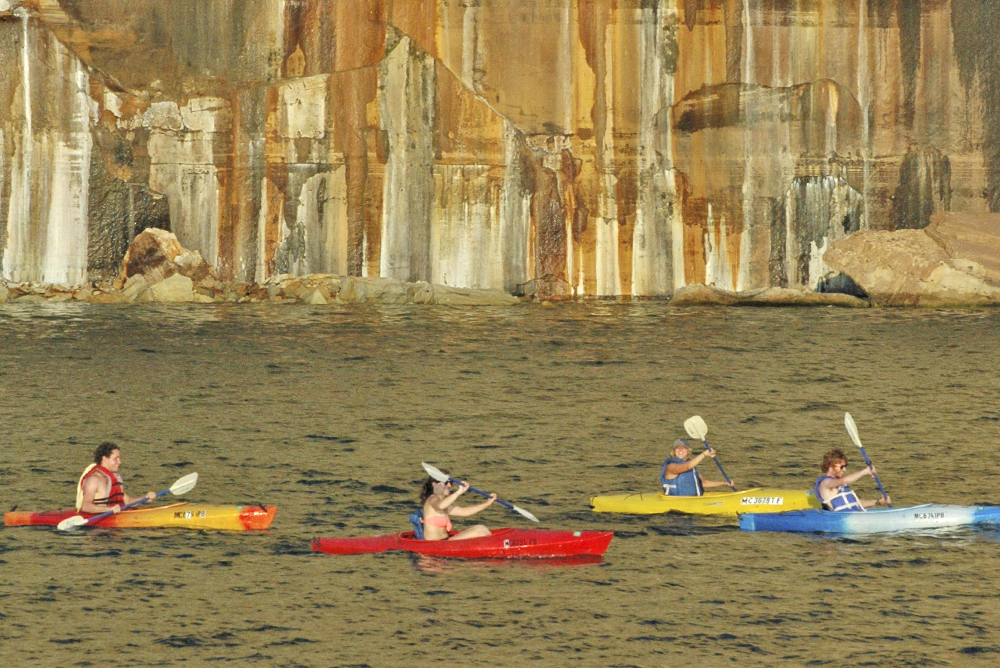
[679, 475]
[833, 487]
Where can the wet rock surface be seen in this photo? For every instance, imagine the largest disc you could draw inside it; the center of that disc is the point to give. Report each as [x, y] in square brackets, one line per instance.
[547, 288]
[693, 295]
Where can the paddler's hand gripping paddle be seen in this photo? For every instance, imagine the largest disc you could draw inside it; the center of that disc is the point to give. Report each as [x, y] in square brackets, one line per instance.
[696, 428]
[852, 429]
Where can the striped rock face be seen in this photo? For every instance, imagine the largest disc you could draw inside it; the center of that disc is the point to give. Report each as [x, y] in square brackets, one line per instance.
[592, 147]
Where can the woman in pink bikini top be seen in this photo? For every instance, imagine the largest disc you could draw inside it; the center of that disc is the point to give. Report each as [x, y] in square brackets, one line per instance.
[439, 508]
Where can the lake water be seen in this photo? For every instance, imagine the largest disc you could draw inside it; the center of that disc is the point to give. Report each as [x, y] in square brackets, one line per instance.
[329, 411]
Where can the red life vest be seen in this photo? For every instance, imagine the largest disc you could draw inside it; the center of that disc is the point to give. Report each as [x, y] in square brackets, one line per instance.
[116, 494]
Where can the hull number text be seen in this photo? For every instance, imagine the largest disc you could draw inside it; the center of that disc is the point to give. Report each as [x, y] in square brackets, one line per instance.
[762, 501]
[519, 542]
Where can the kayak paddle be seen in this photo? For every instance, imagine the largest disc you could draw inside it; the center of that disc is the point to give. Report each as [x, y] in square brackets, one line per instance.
[696, 428]
[441, 476]
[182, 486]
[852, 429]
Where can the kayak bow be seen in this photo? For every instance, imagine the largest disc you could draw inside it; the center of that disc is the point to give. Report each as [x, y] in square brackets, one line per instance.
[186, 515]
[501, 544]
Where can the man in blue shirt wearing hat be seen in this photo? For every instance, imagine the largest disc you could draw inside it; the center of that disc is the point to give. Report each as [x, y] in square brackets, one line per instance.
[680, 476]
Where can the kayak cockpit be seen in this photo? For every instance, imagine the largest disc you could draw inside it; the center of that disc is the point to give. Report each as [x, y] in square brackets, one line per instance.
[411, 536]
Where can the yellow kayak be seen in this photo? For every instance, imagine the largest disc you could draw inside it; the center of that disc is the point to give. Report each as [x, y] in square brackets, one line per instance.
[186, 515]
[757, 500]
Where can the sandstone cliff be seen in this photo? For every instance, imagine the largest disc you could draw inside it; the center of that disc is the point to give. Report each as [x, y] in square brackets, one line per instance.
[614, 147]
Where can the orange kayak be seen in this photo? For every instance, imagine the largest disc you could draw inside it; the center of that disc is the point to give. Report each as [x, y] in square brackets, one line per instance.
[186, 515]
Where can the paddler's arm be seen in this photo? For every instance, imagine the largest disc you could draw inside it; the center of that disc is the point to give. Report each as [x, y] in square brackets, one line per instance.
[676, 469]
[465, 511]
[91, 486]
[708, 484]
[133, 499]
[451, 498]
[828, 487]
[871, 503]
[854, 477]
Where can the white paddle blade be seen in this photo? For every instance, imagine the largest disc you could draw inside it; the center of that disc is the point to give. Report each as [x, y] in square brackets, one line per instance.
[185, 484]
[435, 473]
[525, 513]
[71, 523]
[696, 427]
[852, 429]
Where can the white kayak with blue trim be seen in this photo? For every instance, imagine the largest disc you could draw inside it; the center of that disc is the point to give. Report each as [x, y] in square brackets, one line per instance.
[877, 520]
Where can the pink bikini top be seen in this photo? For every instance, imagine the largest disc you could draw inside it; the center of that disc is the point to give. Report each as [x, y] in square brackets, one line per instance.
[442, 521]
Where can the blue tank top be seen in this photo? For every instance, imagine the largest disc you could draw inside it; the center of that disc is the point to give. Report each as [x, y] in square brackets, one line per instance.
[844, 500]
[686, 484]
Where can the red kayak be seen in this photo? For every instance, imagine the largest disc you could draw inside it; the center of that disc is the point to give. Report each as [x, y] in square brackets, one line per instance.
[502, 544]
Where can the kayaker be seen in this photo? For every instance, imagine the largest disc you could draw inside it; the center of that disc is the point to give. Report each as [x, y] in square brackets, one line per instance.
[679, 475]
[439, 508]
[100, 487]
[833, 487]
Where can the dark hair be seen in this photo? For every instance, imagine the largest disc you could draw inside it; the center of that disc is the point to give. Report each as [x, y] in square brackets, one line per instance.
[428, 489]
[835, 456]
[104, 450]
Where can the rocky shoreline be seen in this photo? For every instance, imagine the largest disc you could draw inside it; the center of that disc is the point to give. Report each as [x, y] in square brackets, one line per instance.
[321, 289]
[316, 289]
[954, 262]
[156, 268]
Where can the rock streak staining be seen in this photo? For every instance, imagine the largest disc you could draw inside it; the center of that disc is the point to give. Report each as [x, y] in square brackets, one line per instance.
[592, 147]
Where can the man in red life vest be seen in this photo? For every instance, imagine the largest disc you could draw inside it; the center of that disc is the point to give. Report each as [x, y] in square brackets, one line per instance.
[100, 487]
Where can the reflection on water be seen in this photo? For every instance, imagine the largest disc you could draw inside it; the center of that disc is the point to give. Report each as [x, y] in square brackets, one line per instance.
[328, 412]
[439, 566]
